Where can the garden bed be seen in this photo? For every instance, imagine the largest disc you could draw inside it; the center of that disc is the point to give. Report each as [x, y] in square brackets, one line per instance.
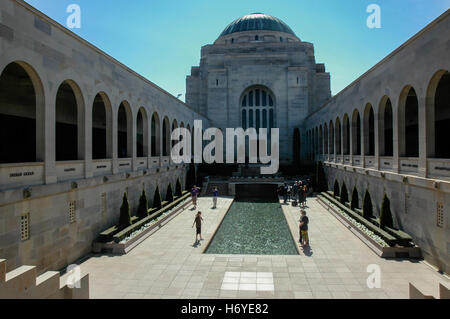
[380, 241]
[126, 239]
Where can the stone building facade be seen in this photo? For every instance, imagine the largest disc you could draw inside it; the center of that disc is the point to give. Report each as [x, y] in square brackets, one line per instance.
[388, 132]
[78, 129]
[258, 55]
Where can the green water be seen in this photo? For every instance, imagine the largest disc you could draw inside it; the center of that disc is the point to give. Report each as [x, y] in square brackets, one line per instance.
[255, 227]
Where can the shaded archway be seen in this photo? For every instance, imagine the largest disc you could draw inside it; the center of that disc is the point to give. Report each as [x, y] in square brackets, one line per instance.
[385, 127]
[331, 137]
[21, 114]
[174, 127]
[356, 133]
[369, 131]
[346, 134]
[338, 136]
[124, 131]
[166, 136]
[156, 135]
[408, 123]
[142, 133]
[326, 142]
[320, 140]
[69, 133]
[101, 127]
[438, 115]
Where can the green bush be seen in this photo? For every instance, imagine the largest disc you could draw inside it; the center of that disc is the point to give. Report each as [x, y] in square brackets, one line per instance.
[385, 213]
[336, 192]
[367, 206]
[355, 199]
[169, 194]
[344, 194]
[125, 213]
[178, 190]
[157, 201]
[321, 178]
[143, 206]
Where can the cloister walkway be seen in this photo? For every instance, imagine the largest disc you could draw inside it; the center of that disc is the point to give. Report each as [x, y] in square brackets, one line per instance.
[166, 265]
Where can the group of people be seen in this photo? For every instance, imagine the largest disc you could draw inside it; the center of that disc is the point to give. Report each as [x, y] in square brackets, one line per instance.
[298, 192]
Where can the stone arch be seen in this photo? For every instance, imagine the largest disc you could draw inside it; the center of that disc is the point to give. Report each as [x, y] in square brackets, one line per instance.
[22, 110]
[69, 122]
[356, 133]
[124, 130]
[385, 127]
[369, 130]
[325, 134]
[331, 138]
[258, 108]
[142, 133]
[338, 136]
[408, 123]
[346, 134]
[166, 137]
[101, 127]
[155, 135]
[438, 115]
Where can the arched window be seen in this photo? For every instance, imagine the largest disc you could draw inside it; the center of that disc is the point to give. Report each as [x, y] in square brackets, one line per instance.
[325, 134]
[369, 131]
[338, 136]
[142, 133]
[257, 108]
[385, 131]
[331, 137]
[438, 115]
[124, 127]
[346, 135]
[356, 133]
[21, 115]
[156, 135]
[166, 137]
[409, 123]
[101, 127]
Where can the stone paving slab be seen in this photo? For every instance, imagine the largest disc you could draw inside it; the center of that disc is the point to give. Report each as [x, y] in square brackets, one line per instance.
[168, 265]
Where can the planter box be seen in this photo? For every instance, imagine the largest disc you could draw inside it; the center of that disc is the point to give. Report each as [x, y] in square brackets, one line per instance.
[384, 252]
[124, 248]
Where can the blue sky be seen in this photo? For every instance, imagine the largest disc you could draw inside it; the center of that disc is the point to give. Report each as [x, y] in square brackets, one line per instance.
[161, 39]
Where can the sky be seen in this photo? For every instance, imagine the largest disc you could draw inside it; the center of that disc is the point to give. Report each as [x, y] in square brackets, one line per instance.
[161, 39]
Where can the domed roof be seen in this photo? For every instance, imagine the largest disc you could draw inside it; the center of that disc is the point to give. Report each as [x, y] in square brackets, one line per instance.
[257, 21]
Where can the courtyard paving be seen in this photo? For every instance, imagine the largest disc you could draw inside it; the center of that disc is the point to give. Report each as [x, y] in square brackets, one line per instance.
[168, 265]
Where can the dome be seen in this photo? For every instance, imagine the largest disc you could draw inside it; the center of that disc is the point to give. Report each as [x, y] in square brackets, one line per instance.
[257, 21]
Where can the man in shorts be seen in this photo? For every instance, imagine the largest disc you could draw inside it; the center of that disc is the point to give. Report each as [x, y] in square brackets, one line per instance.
[198, 222]
[304, 220]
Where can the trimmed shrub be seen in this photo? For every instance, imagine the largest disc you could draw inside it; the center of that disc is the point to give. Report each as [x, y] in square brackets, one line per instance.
[178, 190]
[367, 206]
[355, 199]
[336, 192]
[385, 213]
[322, 184]
[125, 213]
[157, 201]
[169, 194]
[143, 206]
[344, 194]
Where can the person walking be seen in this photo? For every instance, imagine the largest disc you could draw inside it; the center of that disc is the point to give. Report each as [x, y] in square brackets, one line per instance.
[194, 193]
[304, 221]
[215, 196]
[285, 189]
[301, 195]
[305, 195]
[198, 223]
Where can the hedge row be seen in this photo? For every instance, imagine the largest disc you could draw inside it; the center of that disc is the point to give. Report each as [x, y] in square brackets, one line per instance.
[401, 238]
[154, 213]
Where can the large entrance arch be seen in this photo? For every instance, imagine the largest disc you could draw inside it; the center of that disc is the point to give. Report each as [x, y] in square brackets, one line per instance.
[21, 114]
[258, 108]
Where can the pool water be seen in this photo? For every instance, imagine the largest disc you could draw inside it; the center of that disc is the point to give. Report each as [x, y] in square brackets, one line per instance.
[253, 226]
